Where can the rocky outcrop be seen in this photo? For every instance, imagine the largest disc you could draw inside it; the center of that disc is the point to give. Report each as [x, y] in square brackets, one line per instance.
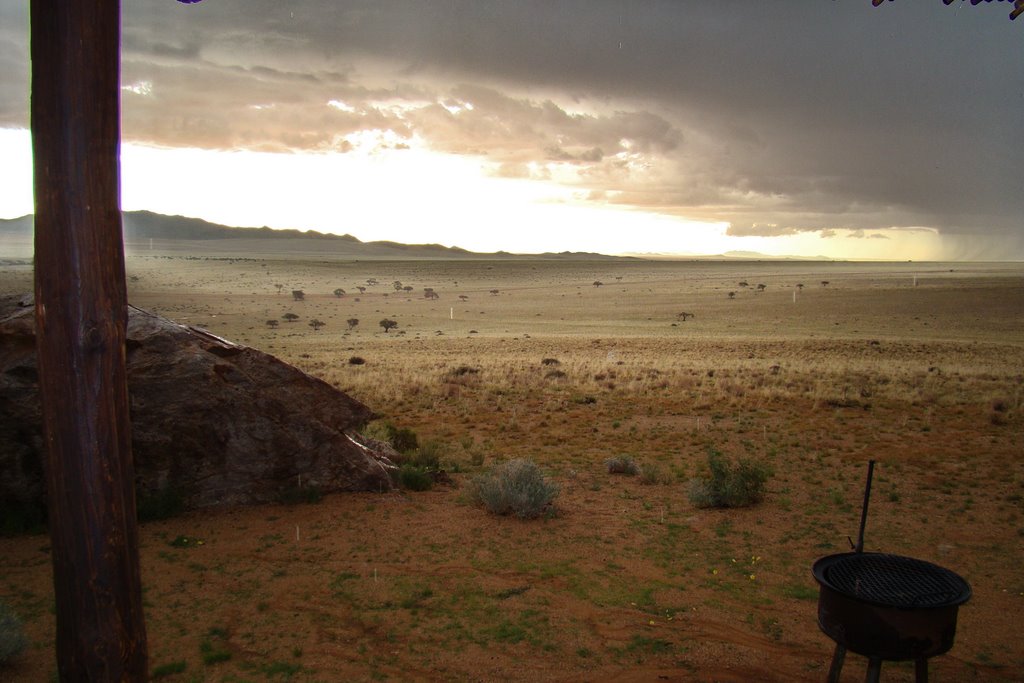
[215, 422]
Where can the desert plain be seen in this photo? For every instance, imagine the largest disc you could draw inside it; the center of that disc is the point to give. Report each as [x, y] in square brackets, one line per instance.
[811, 368]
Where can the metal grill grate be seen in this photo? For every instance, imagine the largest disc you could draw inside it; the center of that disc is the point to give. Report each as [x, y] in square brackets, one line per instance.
[896, 581]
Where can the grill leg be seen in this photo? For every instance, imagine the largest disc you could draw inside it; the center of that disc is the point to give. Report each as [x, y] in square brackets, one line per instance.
[837, 663]
[874, 670]
[921, 670]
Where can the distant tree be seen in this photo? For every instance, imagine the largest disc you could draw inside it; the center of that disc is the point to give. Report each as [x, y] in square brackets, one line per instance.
[397, 284]
[494, 292]
[339, 292]
[371, 281]
[279, 288]
[800, 286]
[684, 315]
[388, 324]
[362, 290]
[598, 283]
[272, 324]
[352, 322]
[290, 317]
[762, 287]
[316, 324]
[744, 283]
[463, 297]
[429, 293]
[298, 295]
[732, 295]
[824, 283]
[407, 288]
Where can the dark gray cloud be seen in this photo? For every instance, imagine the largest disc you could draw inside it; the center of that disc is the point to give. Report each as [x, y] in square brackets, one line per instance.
[775, 117]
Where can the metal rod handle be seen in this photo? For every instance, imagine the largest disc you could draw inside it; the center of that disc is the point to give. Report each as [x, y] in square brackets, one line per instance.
[864, 509]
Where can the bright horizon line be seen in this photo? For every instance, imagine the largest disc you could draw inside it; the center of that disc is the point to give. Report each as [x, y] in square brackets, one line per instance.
[732, 255]
[379, 194]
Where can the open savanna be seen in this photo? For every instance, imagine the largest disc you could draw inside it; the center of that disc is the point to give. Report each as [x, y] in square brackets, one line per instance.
[918, 366]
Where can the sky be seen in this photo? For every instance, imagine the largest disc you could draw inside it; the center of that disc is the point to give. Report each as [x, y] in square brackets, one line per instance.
[807, 128]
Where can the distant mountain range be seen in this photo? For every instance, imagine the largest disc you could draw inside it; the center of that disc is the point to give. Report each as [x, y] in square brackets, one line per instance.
[170, 231]
[144, 230]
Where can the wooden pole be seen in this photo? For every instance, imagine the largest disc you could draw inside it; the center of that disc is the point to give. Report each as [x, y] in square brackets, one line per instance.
[81, 316]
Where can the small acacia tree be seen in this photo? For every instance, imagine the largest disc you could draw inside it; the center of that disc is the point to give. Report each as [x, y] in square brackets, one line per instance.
[298, 295]
[388, 324]
[316, 324]
[290, 317]
[339, 292]
[272, 324]
[352, 322]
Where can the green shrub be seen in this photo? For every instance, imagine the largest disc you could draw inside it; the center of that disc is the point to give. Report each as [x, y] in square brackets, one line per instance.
[402, 439]
[162, 504]
[517, 488]
[428, 455]
[415, 478]
[622, 464]
[12, 635]
[295, 495]
[168, 669]
[739, 484]
[650, 474]
[213, 647]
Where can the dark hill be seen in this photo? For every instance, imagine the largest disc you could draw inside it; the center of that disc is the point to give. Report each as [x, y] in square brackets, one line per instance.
[173, 232]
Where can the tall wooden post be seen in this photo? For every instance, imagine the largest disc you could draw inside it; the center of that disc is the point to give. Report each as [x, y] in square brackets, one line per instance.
[81, 315]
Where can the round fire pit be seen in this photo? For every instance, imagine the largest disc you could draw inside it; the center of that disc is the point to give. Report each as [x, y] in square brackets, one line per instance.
[888, 607]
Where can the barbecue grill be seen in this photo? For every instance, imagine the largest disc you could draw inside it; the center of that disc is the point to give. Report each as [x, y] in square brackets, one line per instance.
[886, 607]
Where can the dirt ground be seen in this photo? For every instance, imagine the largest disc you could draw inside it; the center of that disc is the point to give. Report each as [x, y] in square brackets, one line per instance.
[917, 366]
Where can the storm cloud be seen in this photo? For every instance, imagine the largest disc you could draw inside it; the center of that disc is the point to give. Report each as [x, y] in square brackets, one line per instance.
[776, 118]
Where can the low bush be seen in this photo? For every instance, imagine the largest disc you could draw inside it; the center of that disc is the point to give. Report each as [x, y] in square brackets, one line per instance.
[428, 455]
[162, 504]
[415, 478]
[739, 484]
[622, 464]
[169, 669]
[296, 495]
[517, 488]
[402, 439]
[12, 635]
[651, 474]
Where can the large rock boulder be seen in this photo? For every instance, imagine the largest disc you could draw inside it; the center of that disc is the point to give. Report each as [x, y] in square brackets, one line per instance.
[212, 421]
